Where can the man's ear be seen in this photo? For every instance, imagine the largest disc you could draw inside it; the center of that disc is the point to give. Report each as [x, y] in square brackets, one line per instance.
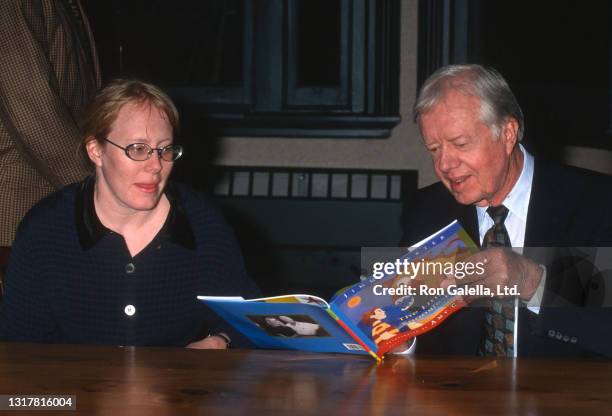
[94, 151]
[509, 134]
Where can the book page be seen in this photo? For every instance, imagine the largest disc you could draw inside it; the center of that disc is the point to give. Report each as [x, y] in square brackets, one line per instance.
[406, 299]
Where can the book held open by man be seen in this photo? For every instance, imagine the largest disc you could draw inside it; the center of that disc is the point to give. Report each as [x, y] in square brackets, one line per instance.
[402, 299]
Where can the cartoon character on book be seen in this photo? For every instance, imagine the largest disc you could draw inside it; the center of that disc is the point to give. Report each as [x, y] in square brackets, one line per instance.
[384, 323]
[381, 329]
[404, 305]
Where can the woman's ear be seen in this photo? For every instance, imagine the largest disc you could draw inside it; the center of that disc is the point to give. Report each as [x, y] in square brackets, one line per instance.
[94, 151]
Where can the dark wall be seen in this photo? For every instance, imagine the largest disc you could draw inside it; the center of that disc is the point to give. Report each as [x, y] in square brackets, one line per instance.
[554, 54]
[556, 57]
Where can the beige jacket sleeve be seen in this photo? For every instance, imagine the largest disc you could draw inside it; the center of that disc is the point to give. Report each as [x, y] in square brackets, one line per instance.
[48, 73]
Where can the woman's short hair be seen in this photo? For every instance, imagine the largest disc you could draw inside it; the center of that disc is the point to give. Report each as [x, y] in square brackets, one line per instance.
[497, 102]
[103, 110]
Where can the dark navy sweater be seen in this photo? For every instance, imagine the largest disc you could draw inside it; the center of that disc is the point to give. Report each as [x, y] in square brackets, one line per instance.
[71, 280]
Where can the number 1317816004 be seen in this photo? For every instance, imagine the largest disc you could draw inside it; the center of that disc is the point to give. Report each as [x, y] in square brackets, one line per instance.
[32, 402]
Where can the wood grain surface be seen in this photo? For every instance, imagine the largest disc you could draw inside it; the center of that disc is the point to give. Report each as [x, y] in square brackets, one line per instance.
[173, 381]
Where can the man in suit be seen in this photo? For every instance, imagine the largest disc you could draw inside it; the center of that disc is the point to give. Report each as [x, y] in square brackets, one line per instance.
[48, 72]
[471, 125]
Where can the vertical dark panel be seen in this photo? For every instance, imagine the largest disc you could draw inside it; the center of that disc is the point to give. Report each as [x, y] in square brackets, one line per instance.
[382, 56]
[431, 38]
[444, 34]
[339, 31]
[371, 64]
[318, 43]
[359, 54]
[609, 132]
[269, 75]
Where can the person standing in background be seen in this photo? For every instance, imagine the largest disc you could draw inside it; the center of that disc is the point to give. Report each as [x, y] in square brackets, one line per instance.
[48, 73]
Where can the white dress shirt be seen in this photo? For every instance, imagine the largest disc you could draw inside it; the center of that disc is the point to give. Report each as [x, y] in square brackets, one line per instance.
[517, 202]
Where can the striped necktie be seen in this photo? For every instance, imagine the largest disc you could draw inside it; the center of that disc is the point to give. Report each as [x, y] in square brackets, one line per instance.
[500, 314]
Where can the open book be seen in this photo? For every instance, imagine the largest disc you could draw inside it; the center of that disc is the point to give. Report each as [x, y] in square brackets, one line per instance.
[402, 299]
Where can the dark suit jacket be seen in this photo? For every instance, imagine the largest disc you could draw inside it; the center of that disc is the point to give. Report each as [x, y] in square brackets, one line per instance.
[48, 73]
[568, 207]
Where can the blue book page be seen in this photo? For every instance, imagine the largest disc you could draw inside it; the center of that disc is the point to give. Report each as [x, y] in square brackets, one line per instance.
[294, 326]
[384, 320]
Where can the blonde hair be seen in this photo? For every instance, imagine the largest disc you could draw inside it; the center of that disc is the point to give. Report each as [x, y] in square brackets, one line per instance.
[103, 110]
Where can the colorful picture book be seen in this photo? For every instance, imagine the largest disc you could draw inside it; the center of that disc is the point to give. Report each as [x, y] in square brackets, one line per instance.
[402, 299]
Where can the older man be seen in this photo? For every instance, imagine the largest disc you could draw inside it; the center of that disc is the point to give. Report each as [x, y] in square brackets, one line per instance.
[471, 125]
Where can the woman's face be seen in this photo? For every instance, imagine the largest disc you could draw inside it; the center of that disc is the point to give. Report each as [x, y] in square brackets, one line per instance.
[125, 185]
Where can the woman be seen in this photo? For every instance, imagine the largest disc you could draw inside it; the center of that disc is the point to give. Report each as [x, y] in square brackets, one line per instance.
[121, 257]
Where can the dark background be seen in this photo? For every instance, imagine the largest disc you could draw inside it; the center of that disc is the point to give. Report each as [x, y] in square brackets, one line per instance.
[556, 57]
[222, 58]
[554, 54]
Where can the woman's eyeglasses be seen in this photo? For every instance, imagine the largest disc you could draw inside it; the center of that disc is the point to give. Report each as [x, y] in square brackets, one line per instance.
[142, 151]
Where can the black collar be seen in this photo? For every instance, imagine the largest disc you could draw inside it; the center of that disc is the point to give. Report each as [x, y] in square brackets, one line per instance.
[90, 230]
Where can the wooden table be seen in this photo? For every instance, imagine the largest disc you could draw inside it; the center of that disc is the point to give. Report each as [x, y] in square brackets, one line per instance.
[171, 381]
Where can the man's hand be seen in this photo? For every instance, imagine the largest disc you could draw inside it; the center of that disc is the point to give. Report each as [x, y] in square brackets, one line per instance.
[505, 268]
[405, 347]
[211, 342]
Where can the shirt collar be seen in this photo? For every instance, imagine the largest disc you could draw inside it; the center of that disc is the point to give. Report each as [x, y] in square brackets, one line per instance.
[90, 230]
[517, 201]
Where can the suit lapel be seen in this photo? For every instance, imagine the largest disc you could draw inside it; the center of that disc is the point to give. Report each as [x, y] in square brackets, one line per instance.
[536, 200]
[466, 214]
[546, 220]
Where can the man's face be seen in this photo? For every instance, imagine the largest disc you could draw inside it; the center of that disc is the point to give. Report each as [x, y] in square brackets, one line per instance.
[472, 163]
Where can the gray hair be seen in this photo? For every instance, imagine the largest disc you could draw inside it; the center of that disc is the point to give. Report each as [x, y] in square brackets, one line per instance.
[497, 102]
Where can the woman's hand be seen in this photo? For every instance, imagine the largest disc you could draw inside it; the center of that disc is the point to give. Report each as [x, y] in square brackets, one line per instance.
[211, 342]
